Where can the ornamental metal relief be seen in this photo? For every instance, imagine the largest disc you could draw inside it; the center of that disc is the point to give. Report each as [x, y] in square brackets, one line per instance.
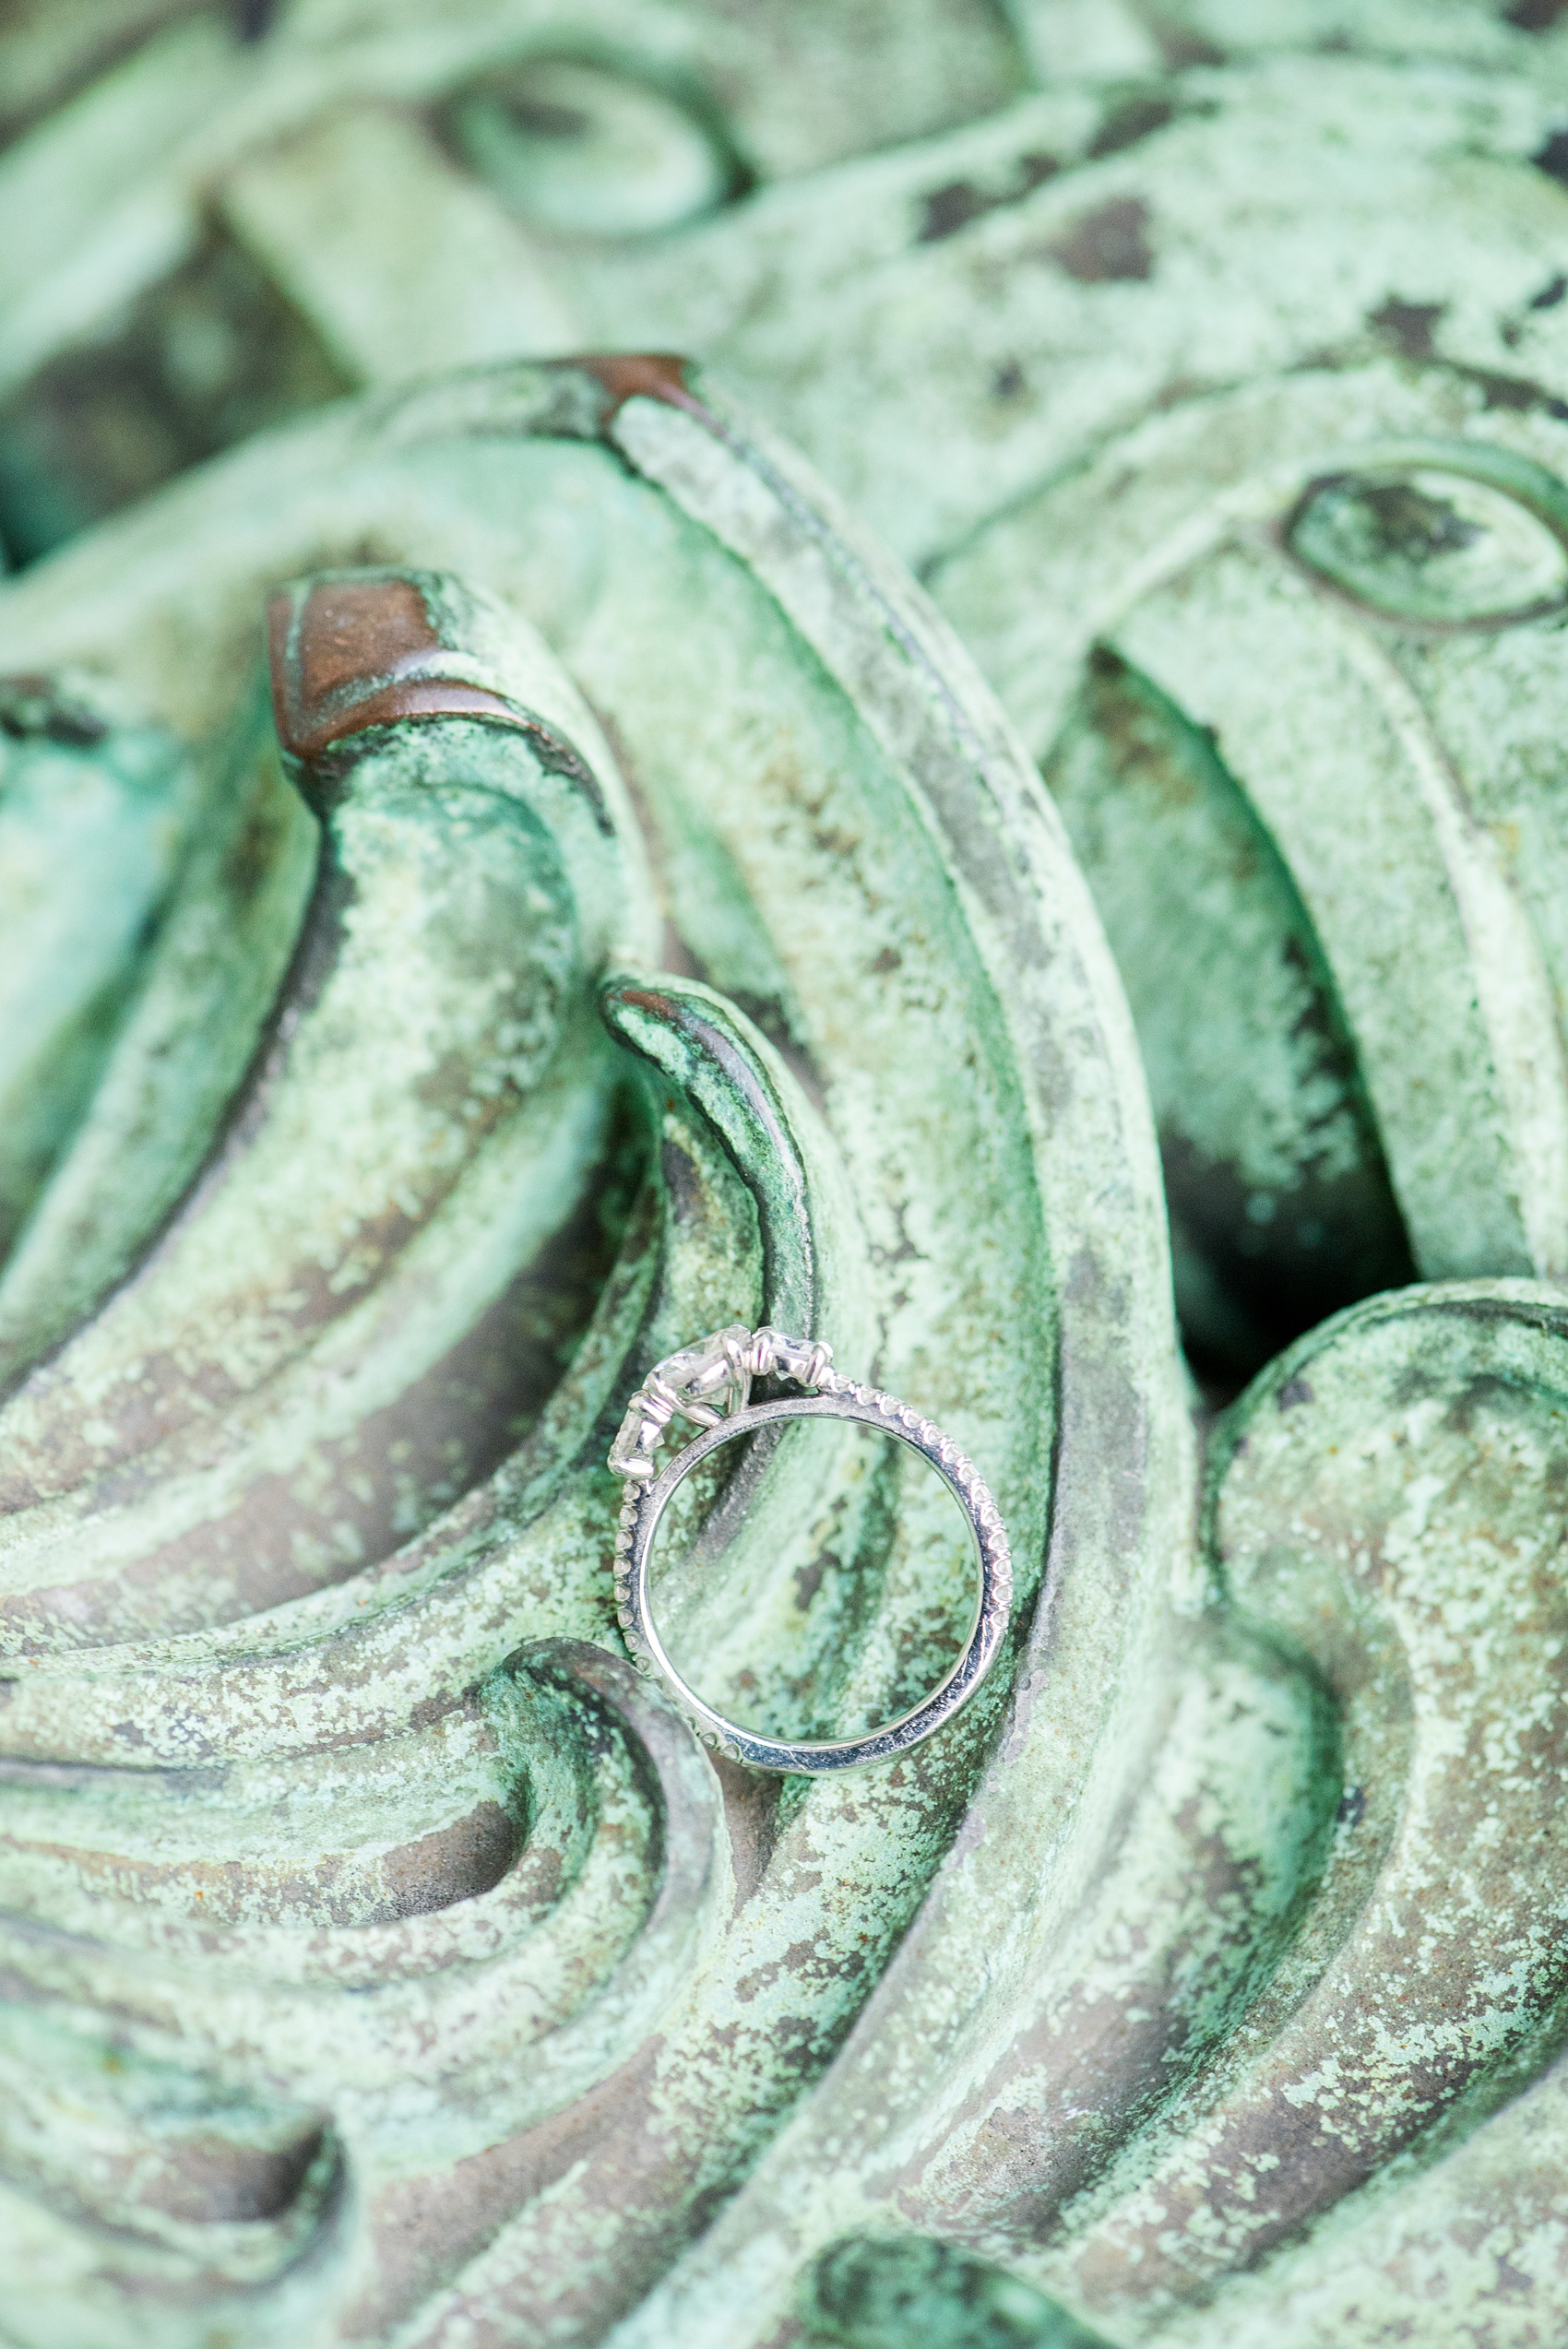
[784, 1177]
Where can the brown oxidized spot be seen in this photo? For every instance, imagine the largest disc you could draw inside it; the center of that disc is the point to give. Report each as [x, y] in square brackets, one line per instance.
[637, 374]
[339, 651]
[352, 629]
[1108, 244]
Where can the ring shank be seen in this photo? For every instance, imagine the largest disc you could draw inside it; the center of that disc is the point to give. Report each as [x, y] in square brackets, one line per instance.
[838, 1399]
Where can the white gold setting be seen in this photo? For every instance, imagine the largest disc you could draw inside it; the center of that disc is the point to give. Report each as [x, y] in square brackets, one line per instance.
[710, 1384]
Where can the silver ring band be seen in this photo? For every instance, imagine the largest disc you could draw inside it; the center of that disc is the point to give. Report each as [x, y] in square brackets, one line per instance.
[728, 1362]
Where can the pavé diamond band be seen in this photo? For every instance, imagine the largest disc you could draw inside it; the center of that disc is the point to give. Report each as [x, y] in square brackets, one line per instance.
[710, 1383]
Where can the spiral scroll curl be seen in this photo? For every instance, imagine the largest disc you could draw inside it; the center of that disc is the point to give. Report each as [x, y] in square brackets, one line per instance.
[1211, 1982]
[228, 1830]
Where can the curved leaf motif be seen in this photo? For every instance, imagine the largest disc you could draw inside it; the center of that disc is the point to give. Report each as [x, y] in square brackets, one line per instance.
[341, 1837]
[439, 1987]
[1163, 2112]
[1151, 1977]
[1360, 525]
[418, 1120]
[1389, 1500]
[204, 990]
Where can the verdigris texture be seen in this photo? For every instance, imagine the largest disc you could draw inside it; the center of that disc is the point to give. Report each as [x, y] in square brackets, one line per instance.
[384, 1959]
[208, 234]
[1247, 387]
[1249, 392]
[668, 928]
[221, 216]
[1304, 269]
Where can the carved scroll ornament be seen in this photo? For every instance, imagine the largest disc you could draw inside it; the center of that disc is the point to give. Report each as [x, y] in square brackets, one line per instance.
[637, 917]
[339, 1836]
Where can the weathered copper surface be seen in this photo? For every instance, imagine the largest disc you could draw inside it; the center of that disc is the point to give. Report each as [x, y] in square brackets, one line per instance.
[355, 1731]
[1019, 294]
[652, 921]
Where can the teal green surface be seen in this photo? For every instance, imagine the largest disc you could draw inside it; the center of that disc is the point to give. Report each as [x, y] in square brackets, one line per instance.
[380, 1958]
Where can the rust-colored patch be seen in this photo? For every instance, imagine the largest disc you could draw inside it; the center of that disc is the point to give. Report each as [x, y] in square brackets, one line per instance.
[637, 374]
[1107, 244]
[345, 635]
[426, 698]
[352, 629]
[335, 664]
[645, 998]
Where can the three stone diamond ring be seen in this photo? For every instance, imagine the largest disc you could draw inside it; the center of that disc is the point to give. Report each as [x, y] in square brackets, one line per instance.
[710, 1383]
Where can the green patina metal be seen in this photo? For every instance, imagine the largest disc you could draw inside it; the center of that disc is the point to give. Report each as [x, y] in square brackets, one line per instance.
[227, 1822]
[639, 916]
[113, 803]
[1083, 281]
[186, 258]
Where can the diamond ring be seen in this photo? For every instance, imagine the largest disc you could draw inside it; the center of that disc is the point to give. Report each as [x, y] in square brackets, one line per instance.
[710, 1384]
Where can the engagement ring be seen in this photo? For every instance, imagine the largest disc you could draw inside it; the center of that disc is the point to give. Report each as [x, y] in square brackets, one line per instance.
[710, 1383]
